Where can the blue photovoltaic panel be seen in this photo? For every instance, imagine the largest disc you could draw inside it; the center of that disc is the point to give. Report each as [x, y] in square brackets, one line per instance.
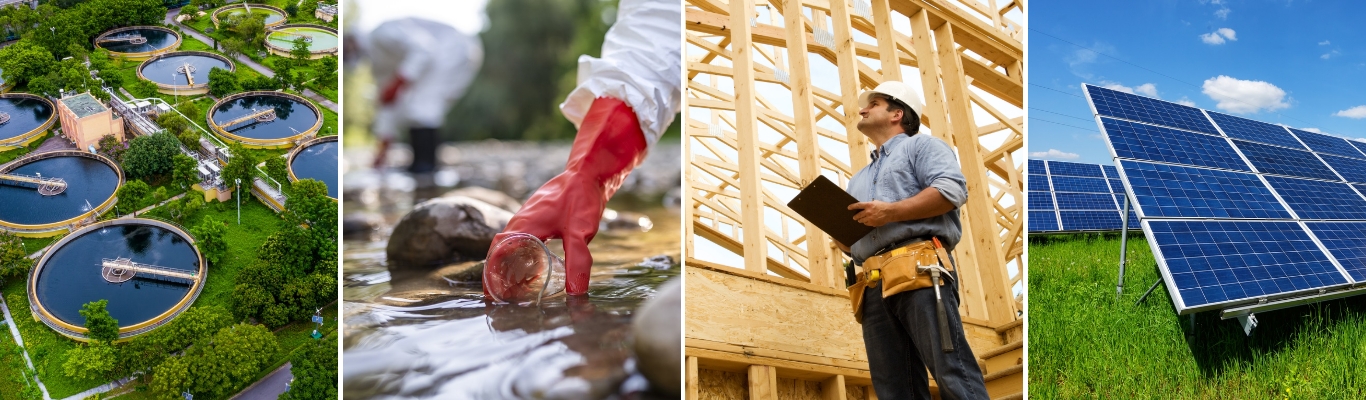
[1041, 201]
[1319, 199]
[1327, 144]
[1075, 184]
[1218, 261]
[1346, 241]
[1086, 201]
[1110, 172]
[1147, 142]
[1116, 186]
[1138, 108]
[1260, 132]
[1169, 191]
[1090, 220]
[1043, 221]
[1036, 167]
[1038, 183]
[1359, 145]
[1062, 168]
[1352, 169]
[1283, 161]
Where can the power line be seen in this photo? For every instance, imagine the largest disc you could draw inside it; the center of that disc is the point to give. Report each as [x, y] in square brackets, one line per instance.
[1065, 115]
[1056, 90]
[1059, 123]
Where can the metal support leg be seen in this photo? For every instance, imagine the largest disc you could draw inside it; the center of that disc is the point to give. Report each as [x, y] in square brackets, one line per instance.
[1123, 247]
[1249, 323]
[1150, 291]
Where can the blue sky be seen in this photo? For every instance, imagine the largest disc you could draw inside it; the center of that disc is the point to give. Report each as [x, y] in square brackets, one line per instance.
[1296, 63]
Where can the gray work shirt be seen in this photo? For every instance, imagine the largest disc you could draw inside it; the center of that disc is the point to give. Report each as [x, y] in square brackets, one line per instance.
[901, 168]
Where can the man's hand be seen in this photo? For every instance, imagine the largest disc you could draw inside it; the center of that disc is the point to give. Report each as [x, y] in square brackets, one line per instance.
[875, 213]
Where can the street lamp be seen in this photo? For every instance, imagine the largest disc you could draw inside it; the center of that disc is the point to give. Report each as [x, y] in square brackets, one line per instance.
[239, 201]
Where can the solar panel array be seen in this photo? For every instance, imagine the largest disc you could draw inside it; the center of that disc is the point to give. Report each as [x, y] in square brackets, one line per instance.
[1075, 197]
[1237, 211]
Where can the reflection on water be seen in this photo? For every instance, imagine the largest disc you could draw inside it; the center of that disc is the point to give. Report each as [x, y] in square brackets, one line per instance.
[89, 182]
[432, 335]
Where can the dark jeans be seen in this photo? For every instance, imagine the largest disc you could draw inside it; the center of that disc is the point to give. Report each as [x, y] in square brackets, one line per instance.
[901, 334]
[424, 141]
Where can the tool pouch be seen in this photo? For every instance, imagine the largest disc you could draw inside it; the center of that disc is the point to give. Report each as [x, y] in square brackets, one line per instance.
[898, 273]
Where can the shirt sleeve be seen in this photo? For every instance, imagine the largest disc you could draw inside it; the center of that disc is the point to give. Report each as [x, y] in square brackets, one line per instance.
[935, 163]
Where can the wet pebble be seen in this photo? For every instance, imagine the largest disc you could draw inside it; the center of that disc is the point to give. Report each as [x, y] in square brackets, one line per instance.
[658, 338]
[444, 230]
[494, 197]
[360, 225]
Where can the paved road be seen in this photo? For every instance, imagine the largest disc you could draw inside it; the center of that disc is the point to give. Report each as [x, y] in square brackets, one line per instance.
[268, 388]
[170, 20]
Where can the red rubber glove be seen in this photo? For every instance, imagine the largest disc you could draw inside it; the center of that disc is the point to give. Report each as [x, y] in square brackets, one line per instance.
[396, 85]
[569, 207]
[381, 154]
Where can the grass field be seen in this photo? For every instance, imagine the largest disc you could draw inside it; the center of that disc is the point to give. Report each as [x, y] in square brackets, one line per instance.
[1083, 343]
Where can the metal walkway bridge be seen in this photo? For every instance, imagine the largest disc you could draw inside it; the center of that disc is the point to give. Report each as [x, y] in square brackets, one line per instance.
[121, 270]
[45, 186]
[130, 38]
[255, 117]
[4, 117]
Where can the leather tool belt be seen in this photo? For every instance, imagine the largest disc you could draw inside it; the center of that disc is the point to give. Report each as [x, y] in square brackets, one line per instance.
[898, 271]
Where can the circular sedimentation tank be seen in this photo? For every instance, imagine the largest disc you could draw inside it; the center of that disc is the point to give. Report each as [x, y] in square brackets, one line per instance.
[316, 159]
[25, 117]
[264, 119]
[322, 40]
[149, 271]
[139, 42]
[182, 72]
[91, 182]
[274, 16]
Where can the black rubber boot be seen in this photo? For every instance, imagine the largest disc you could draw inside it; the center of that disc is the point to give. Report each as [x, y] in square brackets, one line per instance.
[424, 142]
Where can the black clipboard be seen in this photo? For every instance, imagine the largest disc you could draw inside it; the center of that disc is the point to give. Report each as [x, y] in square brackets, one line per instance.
[827, 206]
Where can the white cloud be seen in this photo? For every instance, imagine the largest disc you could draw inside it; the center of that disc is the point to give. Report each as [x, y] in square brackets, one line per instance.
[1146, 89]
[1330, 54]
[1240, 96]
[1222, 12]
[1357, 112]
[1218, 36]
[1055, 154]
[1185, 102]
[1315, 130]
[1324, 43]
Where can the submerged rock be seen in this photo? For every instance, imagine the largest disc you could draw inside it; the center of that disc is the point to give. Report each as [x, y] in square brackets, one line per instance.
[445, 230]
[658, 338]
[360, 225]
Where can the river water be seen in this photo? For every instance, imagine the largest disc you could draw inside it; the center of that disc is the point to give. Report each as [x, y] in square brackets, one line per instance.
[430, 334]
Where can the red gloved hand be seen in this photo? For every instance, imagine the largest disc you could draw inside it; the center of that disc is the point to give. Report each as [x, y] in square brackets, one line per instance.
[381, 154]
[390, 92]
[569, 207]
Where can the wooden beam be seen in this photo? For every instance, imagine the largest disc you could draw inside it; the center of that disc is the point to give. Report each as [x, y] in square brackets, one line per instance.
[886, 42]
[808, 148]
[751, 200]
[849, 85]
[763, 383]
[833, 388]
[692, 379]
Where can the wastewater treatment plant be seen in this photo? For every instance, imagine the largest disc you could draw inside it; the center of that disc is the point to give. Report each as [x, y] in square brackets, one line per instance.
[165, 216]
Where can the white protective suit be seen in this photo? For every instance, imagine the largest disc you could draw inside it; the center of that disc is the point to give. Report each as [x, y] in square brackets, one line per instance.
[437, 61]
[641, 65]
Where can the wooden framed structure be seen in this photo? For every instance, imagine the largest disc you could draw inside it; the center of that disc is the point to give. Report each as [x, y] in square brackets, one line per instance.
[772, 104]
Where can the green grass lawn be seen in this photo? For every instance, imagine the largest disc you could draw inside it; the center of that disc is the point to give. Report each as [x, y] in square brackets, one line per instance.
[12, 154]
[47, 348]
[15, 376]
[1083, 343]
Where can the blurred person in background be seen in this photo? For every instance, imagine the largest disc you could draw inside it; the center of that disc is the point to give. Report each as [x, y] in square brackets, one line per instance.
[421, 67]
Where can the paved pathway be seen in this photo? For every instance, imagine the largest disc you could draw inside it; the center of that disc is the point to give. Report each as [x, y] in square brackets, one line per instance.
[170, 20]
[269, 387]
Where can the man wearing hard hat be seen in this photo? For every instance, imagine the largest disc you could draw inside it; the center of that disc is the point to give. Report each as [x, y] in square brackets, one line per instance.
[906, 293]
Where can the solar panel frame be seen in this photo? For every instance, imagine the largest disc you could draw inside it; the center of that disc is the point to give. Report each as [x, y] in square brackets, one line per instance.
[1255, 131]
[1327, 144]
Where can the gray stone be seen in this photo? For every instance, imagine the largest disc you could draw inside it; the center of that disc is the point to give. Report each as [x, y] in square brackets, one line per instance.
[445, 230]
[658, 338]
[494, 197]
[360, 225]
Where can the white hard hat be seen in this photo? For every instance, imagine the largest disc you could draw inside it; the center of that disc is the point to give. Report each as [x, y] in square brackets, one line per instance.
[897, 90]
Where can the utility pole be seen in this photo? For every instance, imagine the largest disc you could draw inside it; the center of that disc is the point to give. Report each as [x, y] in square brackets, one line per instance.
[239, 201]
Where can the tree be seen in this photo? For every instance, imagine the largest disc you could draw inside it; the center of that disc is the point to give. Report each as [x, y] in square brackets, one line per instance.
[308, 7]
[133, 193]
[98, 323]
[218, 366]
[251, 28]
[209, 235]
[221, 83]
[151, 156]
[158, 195]
[276, 168]
[300, 51]
[147, 351]
[233, 47]
[309, 205]
[315, 371]
[113, 148]
[24, 61]
[292, 9]
[185, 171]
[96, 360]
[241, 166]
[14, 261]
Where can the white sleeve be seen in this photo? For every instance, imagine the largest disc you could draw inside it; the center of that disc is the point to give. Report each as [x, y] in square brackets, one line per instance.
[640, 65]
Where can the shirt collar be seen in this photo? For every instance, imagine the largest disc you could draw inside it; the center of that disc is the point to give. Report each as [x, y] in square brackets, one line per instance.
[882, 150]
